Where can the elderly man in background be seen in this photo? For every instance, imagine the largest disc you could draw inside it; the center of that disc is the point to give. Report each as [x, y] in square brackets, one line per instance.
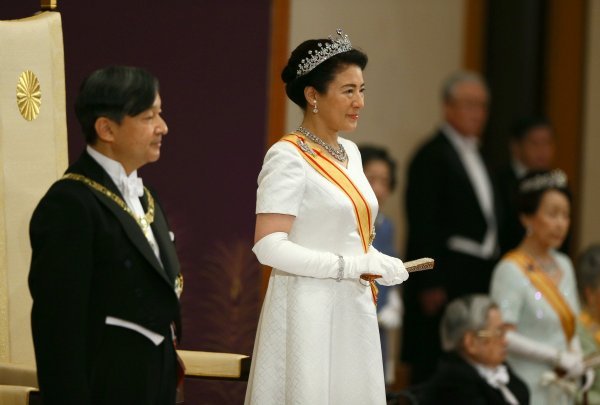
[472, 371]
[452, 216]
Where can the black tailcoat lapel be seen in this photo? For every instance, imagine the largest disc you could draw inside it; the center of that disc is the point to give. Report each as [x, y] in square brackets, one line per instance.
[88, 167]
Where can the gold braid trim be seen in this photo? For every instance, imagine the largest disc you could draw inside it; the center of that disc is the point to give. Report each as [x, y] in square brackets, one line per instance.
[144, 222]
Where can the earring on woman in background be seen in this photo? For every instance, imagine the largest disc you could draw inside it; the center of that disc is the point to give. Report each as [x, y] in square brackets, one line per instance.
[315, 109]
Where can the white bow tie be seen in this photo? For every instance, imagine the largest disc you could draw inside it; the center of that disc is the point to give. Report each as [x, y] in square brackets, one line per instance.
[494, 376]
[498, 377]
[132, 187]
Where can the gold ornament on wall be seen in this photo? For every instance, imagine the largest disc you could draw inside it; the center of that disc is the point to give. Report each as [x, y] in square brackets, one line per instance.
[29, 95]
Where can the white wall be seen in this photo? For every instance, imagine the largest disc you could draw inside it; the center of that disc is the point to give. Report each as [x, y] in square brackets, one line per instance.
[590, 178]
[412, 46]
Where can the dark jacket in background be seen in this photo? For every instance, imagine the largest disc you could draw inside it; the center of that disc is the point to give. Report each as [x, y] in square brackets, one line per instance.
[456, 382]
[440, 203]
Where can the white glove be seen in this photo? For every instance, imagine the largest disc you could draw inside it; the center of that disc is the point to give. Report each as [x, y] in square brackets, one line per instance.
[571, 362]
[277, 251]
[578, 370]
[395, 272]
[390, 316]
[391, 269]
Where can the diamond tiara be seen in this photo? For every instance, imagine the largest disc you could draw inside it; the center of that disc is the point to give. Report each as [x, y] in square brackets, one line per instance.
[554, 179]
[325, 51]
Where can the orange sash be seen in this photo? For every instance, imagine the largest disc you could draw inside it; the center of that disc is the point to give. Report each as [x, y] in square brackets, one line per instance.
[323, 164]
[317, 158]
[548, 289]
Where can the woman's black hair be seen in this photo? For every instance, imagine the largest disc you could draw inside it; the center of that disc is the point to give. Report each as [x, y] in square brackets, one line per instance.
[529, 197]
[321, 75]
[113, 92]
[369, 153]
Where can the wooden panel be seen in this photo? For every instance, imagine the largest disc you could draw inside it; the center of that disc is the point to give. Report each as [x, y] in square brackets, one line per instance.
[280, 31]
[564, 88]
[474, 35]
[280, 21]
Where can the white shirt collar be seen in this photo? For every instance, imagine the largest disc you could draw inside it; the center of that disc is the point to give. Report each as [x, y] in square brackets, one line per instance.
[460, 141]
[115, 170]
[493, 375]
[498, 378]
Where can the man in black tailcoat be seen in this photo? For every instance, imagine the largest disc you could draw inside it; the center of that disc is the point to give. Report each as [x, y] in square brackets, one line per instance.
[452, 216]
[104, 273]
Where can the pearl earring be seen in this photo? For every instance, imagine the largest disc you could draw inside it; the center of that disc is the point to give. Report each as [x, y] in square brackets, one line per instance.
[315, 109]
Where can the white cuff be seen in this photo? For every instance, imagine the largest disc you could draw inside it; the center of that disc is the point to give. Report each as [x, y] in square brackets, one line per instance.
[153, 336]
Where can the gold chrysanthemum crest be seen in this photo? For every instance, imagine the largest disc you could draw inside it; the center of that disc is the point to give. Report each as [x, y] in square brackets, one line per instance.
[29, 95]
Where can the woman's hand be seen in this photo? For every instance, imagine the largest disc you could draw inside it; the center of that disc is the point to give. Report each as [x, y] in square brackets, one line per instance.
[571, 363]
[390, 269]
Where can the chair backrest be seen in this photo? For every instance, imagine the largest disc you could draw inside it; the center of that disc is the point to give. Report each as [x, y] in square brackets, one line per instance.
[33, 154]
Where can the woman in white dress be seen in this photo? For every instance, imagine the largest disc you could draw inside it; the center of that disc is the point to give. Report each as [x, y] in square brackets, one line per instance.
[535, 288]
[317, 340]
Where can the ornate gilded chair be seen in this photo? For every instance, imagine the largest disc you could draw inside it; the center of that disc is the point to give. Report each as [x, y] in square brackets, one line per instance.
[33, 153]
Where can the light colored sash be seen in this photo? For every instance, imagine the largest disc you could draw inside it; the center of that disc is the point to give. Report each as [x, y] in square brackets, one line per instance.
[549, 290]
[317, 158]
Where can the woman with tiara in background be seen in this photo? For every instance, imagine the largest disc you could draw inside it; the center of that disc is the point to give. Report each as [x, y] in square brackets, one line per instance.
[534, 286]
[317, 340]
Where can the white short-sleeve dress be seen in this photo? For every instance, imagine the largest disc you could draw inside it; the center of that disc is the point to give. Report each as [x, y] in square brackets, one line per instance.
[317, 341]
[523, 305]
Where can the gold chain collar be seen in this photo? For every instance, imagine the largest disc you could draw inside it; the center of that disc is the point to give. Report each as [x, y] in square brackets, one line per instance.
[143, 222]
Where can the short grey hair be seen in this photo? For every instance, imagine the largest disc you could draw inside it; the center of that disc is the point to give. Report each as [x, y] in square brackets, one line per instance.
[463, 76]
[464, 314]
[588, 269]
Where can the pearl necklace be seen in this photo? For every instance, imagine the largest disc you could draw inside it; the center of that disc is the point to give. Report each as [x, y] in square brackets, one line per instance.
[339, 154]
